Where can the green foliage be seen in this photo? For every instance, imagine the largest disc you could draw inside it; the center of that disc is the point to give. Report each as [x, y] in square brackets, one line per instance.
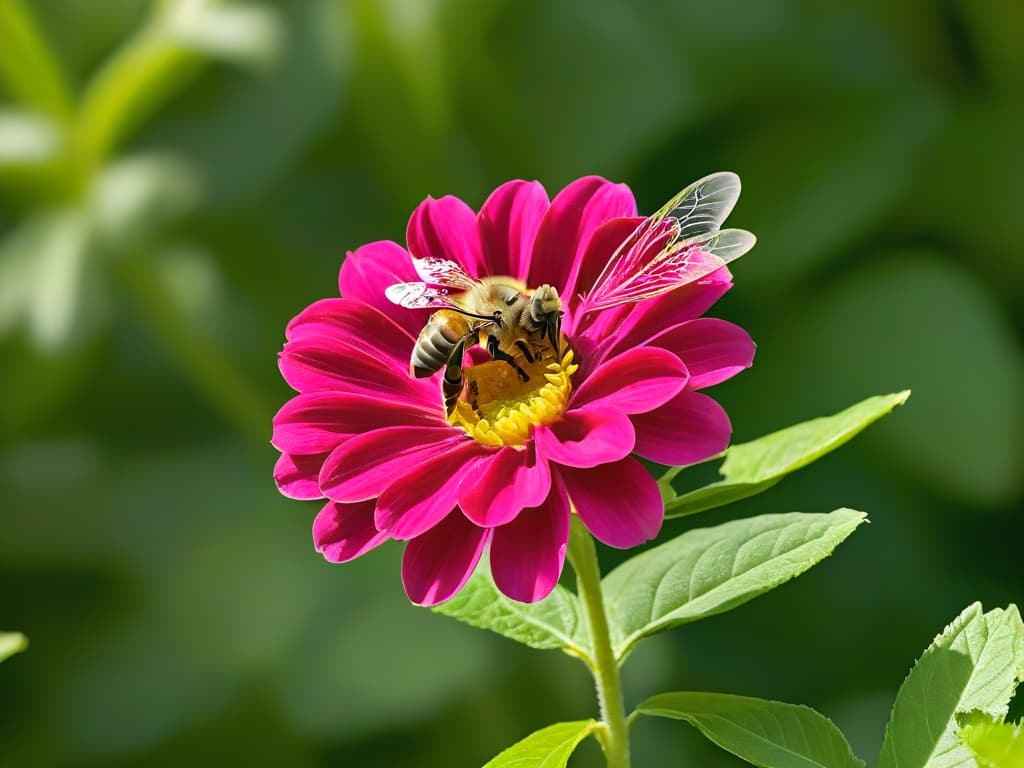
[163, 57]
[12, 643]
[753, 467]
[551, 623]
[911, 313]
[547, 748]
[699, 574]
[113, 367]
[993, 744]
[974, 665]
[711, 570]
[769, 734]
[28, 68]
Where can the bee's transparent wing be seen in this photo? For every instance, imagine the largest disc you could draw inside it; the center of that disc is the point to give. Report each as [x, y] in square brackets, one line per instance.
[678, 244]
[420, 296]
[726, 245]
[434, 270]
[440, 279]
[677, 265]
[702, 206]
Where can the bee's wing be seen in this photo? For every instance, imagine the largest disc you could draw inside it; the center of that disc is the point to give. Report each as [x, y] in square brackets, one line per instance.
[420, 296]
[441, 277]
[434, 270]
[703, 206]
[677, 245]
[675, 265]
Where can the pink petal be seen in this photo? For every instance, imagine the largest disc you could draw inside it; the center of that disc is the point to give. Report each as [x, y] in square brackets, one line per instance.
[445, 228]
[689, 428]
[619, 503]
[586, 438]
[508, 224]
[438, 563]
[356, 324]
[297, 477]
[343, 532]
[511, 479]
[363, 466]
[713, 350]
[574, 216]
[368, 271]
[636, 381]
[427, 492]
[317, 422]
[318, 363]
[528, 553]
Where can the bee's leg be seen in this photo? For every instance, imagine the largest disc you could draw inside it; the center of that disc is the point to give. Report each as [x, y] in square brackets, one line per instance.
[525, 349]
[497, 353]
[451, 383]
[554, 334]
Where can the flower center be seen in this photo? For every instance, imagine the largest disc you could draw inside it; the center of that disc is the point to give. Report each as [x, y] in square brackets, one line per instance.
[498, 408]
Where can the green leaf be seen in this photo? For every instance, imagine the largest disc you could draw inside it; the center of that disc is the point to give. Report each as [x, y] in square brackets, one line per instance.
[28, 66]
[750, 468]
[993, 744]
[12, 643]
[766, 733]
[554, 622]
[145, 73]
[547, 748]
[711, 570]
[899, 317]
[974, 665]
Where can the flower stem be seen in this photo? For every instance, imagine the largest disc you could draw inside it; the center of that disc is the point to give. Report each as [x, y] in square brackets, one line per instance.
[583, 556]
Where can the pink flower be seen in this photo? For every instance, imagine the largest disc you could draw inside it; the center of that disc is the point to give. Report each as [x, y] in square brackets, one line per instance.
[377, 443]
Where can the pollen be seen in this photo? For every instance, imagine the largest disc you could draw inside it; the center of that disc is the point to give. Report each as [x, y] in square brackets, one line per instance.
[499, 408]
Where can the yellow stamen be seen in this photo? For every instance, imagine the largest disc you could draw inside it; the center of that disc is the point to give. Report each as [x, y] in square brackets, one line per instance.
[498, 408]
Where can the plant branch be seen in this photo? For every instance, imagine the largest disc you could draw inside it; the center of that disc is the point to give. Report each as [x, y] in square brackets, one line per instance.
[615, 734]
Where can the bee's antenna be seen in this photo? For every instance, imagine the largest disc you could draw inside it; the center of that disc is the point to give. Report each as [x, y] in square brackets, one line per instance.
[467, 313]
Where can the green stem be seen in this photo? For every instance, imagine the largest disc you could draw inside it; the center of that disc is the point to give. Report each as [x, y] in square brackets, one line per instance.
[583, 557]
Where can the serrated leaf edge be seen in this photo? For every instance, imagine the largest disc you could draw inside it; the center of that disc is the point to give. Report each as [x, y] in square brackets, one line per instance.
[646, 708]
[625, 647]
[756, 485]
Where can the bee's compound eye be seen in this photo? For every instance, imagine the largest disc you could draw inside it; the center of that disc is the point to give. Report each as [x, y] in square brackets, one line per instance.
[511, 299]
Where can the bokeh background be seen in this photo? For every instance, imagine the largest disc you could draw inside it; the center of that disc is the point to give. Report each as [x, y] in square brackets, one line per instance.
[178, 179]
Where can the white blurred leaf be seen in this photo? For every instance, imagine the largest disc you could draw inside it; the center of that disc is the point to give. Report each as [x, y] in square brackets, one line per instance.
[26, 138]
[247, 34]
[308, 85]
[17, 269]
[136, 196]
[54, 287]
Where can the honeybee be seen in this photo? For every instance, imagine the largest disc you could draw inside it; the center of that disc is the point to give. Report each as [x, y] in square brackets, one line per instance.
[679, 244]
[493, 312]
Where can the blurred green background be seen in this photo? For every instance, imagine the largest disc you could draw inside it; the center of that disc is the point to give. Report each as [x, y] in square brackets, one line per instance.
[179, 179]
